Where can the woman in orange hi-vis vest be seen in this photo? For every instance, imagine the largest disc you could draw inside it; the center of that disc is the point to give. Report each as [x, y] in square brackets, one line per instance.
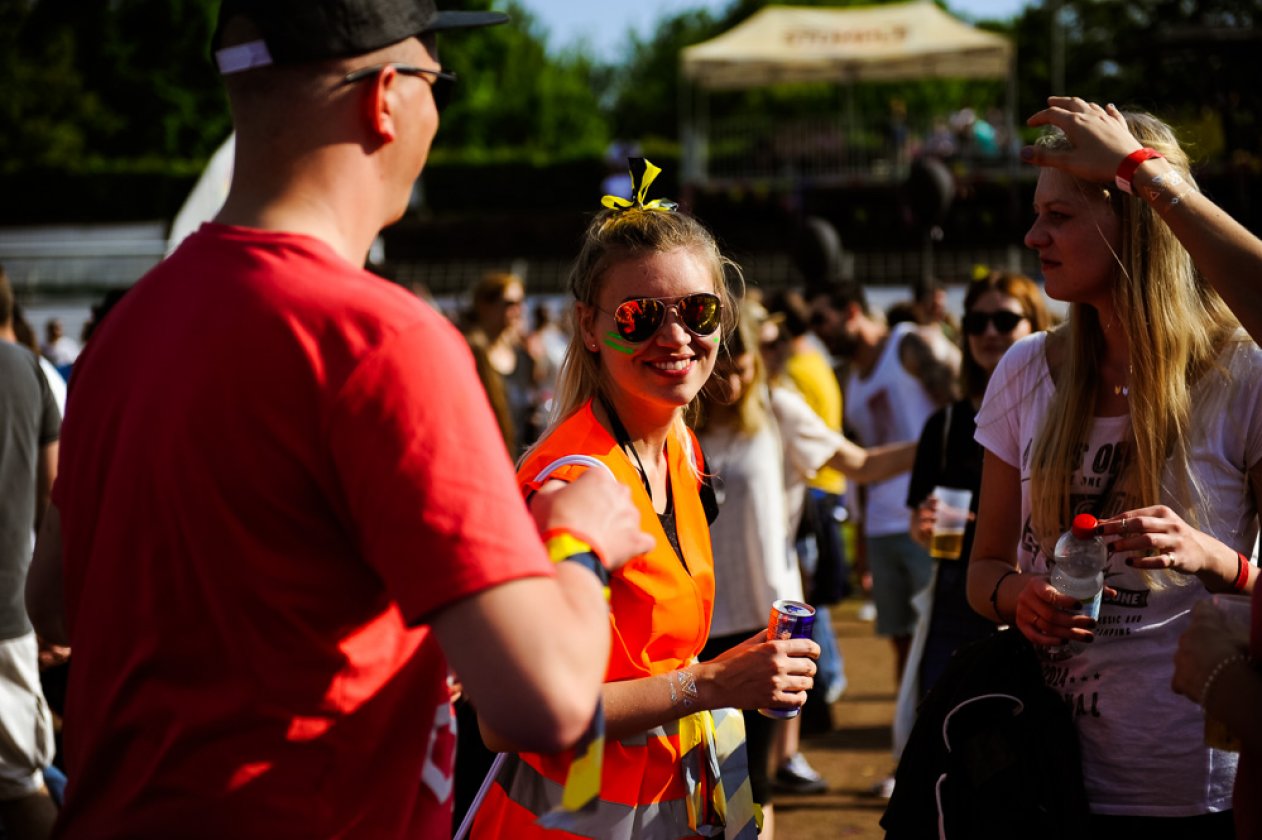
[651, 305]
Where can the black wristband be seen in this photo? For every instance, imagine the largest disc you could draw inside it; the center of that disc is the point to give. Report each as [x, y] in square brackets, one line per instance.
[994, 594]
[589, 560]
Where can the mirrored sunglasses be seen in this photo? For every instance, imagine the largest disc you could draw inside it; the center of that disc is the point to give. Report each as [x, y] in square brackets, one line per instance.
[442, 83]
[639, 318]
[1005, 321]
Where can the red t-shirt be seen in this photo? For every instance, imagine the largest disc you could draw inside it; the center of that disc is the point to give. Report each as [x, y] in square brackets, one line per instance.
[275, 466]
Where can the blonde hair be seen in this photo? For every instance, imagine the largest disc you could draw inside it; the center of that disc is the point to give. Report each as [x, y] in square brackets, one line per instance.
[613, 237]
[1175, 327]
[749, 412]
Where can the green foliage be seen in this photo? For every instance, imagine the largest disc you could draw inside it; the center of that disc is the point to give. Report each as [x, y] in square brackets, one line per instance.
[514, 99]
[91, 81]
[117, 86]
[1194, 63]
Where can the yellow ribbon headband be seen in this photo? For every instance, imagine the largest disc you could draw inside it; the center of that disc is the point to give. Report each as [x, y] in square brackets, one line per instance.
[642, 175]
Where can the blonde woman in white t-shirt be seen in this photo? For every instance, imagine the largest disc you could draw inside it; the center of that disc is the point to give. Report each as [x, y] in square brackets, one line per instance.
[1145, 408]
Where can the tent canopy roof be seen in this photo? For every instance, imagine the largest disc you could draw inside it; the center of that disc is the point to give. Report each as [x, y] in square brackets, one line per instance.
[782, 44]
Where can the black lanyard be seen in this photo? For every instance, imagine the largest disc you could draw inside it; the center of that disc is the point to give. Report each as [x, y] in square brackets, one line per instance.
[624, 441]
[667, 519]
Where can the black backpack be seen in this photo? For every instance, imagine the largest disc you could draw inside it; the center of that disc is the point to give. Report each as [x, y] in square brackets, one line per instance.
[993, 753]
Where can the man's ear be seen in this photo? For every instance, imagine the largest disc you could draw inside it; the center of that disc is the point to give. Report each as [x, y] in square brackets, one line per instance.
[379, 103]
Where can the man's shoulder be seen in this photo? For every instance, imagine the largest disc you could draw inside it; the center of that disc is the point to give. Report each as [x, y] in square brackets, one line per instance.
[18, 366]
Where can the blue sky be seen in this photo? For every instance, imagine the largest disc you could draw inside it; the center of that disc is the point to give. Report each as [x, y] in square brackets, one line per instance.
[604, 23]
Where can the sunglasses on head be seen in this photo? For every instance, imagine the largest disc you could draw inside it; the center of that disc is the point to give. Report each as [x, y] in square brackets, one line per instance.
[442, 83]
[1005, 321]
[639, 318]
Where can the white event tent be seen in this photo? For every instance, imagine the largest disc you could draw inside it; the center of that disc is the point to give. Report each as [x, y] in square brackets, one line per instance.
[847, 46]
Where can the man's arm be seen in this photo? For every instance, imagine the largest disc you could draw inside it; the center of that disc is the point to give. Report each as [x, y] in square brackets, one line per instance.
[532, 653]
[920, 361]
[45, 598]
[45, 475]
[874, 464]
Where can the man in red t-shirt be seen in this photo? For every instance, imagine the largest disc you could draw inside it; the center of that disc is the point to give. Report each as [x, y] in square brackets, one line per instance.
[285, 508]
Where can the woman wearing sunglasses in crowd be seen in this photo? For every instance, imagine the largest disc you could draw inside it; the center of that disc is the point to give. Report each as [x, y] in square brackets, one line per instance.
[999, 308]
[1145, 408]
[651, 307]
[765, 443]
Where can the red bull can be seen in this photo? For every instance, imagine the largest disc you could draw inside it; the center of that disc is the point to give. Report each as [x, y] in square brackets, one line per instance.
[789, 620]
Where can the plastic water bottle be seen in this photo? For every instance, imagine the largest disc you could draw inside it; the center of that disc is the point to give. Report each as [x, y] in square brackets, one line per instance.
[1078, 569]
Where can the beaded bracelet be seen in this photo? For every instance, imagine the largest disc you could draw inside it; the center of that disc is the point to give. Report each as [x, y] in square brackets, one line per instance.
[1214, 674]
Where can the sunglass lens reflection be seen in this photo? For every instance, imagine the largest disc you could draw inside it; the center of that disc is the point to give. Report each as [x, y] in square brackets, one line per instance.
[639, 319]
[700, 313]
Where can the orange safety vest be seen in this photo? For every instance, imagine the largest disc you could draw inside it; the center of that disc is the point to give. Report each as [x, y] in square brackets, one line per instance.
[659, 621]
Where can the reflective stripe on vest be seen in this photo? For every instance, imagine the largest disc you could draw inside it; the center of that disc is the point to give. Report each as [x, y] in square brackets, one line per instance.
[665, 819]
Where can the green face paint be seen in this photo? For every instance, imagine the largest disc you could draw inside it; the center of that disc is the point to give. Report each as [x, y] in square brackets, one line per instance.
[613, 342]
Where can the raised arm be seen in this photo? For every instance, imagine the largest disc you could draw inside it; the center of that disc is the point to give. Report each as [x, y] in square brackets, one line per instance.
[1227, 254]
[810, 443]
[876, 463]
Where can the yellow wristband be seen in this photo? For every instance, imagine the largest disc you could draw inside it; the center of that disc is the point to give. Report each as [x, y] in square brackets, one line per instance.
[564, 545]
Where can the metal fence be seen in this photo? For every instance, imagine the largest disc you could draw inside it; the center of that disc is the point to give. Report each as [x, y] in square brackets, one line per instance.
[61, 261]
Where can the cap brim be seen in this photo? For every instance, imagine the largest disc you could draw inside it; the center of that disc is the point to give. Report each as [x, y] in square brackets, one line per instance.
[465, 20]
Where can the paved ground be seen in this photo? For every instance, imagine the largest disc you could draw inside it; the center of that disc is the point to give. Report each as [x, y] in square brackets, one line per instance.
[856, 754]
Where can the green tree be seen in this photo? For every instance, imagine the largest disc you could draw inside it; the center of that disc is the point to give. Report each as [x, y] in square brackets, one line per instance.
[513, 96]
[1194, 63]
[93, 82]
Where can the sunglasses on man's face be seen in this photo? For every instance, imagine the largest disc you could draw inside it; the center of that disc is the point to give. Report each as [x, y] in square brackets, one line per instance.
[442, 83]
[639, 318]
[1005, 321]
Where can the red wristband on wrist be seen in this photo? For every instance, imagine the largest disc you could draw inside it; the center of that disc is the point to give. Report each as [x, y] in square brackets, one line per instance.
[1242, 573]
[1126, 169]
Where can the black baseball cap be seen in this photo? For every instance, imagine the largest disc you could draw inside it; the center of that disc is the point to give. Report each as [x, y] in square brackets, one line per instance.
[295, 31]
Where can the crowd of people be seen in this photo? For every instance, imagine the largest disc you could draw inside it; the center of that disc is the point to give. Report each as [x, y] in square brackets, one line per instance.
[275, 557]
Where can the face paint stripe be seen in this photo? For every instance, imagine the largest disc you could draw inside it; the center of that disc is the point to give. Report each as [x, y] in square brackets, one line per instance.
[613, 343]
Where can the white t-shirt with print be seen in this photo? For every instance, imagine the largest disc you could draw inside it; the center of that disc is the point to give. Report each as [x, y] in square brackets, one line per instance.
[889, 405]
[1143, 745]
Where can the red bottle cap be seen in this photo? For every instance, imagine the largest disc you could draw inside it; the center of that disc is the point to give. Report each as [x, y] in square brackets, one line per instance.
[1084, 526]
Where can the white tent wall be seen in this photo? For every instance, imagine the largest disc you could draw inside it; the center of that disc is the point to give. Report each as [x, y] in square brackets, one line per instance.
[846, 46]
